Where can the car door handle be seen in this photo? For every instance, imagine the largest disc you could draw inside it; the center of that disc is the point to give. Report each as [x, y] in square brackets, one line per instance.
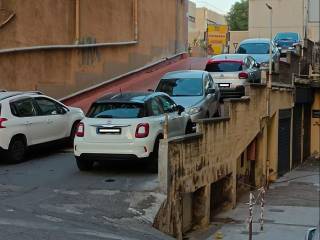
[28, 123]
[49, 121]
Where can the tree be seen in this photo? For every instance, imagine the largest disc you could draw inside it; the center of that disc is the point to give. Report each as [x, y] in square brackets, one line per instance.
[237, 17]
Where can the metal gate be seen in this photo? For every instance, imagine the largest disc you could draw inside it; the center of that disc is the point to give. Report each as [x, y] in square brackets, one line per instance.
[307, 130]
[297, 135]
[284, 141]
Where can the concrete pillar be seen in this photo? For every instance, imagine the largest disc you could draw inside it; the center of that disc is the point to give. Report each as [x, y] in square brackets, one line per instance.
[201, 206]
[163, 166]
[262, 157]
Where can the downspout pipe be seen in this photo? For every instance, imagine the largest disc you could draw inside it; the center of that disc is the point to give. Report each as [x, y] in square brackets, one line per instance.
[77, 24]
[135, 20]
[66, 46]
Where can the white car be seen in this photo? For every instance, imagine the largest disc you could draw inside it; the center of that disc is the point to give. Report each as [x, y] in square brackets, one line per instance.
[127, 126]
[31, 118]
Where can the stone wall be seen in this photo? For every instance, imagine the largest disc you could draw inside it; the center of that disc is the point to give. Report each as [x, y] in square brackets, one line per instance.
[192, 163]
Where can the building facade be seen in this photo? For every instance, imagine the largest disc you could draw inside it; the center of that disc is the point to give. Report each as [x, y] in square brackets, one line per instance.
[300, 16]
[198, 21]
[61, 47]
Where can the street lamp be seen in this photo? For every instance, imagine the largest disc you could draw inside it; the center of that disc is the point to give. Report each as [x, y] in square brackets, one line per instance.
[270, 47]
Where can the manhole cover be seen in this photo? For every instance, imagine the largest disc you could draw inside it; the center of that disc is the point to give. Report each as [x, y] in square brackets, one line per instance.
[109, 180]
[275, 210]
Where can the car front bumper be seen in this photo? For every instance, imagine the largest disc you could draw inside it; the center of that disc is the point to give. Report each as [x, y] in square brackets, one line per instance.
[112, 150]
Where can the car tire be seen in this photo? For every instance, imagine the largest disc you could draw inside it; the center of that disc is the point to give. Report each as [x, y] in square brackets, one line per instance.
[154, 156]
[218, 111]
[17, 150]
[189, 128]
[84, 164]
[73, 134]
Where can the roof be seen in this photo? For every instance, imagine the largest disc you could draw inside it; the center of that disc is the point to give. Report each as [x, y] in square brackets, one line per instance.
[127, 97]
[255, 40]
[5, 94]
[184, 74]
[237, 57]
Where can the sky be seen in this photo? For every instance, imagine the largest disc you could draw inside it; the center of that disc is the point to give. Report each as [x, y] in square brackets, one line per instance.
[221, 6]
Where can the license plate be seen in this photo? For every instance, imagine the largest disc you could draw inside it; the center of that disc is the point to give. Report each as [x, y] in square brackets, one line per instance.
[109, 130]
[223, 85]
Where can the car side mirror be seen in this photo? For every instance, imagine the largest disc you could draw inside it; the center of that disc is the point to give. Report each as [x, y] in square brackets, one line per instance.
[61, 111]
[180, 109]
[258, 65]
[211, 91]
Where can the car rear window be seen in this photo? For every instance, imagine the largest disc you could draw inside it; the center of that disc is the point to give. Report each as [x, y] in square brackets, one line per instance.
[181, 87]
[116, 110]
[253, 48]
[224, 67]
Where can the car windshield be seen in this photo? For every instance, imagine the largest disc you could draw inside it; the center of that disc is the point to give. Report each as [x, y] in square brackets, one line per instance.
[181, 87]
[116, 110]
[224, 67]
[254, 48]
[287, 36]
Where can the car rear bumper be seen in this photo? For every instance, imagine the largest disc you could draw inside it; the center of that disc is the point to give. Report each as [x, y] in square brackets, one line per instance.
[232, 92]
[112, 150]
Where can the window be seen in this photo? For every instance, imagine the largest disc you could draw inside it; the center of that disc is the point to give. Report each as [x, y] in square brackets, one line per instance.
[167, 104]
[253, 48]
[47, 106]
[224, 66]
[207, 83]
[155, 107]
[23, 108]
[179, 87]
[116, 110]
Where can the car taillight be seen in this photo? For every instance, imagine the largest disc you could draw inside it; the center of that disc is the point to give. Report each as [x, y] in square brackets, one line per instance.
[142, 130]
[243, 75]
[2, 120]
[80, 130]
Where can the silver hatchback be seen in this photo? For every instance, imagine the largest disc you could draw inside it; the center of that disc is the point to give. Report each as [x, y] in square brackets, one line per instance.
[194, 90]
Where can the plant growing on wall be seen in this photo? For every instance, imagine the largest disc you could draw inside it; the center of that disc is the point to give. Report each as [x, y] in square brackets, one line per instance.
[237, 17]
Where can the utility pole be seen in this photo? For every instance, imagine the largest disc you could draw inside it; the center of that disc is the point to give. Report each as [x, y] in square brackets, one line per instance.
[250, 215]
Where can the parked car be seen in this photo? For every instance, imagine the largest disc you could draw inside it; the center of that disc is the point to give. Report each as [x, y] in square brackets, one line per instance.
[258, 48]
[31, 118]
[313, 234]
[127, 126]
[232, 71]
[287, 41]
[195, 90]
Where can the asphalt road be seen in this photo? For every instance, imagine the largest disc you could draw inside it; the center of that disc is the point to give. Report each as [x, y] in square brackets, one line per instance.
[47, 197]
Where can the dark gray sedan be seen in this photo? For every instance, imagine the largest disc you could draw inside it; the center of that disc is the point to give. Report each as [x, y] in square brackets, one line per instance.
[194, 90]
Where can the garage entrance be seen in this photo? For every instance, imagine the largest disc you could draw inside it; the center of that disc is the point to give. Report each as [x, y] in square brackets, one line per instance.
[284, 141]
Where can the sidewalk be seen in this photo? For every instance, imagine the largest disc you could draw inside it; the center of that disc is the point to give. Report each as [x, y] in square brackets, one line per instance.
[291, 208]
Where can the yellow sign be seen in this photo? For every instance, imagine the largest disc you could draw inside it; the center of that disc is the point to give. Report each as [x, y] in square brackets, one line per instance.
[217, 38]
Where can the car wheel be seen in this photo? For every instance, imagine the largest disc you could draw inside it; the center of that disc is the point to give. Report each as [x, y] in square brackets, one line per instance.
[84, 164]
[218, 111]
[154, 156]
[72, 134]
[17, 150]
[189, 128]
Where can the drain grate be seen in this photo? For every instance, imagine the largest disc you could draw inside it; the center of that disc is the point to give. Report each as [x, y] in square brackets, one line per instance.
[109, 180]
[276, 210]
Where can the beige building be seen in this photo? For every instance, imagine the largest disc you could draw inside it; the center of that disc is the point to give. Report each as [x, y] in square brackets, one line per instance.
[199, 18]
[61, 47]
[300, 16]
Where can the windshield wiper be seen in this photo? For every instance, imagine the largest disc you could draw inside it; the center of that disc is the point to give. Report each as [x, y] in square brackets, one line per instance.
[104, 116]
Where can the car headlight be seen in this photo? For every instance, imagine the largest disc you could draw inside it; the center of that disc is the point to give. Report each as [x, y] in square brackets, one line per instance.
[291, 48]
[264, 64]
[194, 110]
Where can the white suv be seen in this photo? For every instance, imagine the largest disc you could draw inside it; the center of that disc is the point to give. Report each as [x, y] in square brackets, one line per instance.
[127, 126]
[30, 118]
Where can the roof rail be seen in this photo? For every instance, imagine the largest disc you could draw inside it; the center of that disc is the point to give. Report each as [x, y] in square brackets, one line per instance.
[3, 90]
[34, 92]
